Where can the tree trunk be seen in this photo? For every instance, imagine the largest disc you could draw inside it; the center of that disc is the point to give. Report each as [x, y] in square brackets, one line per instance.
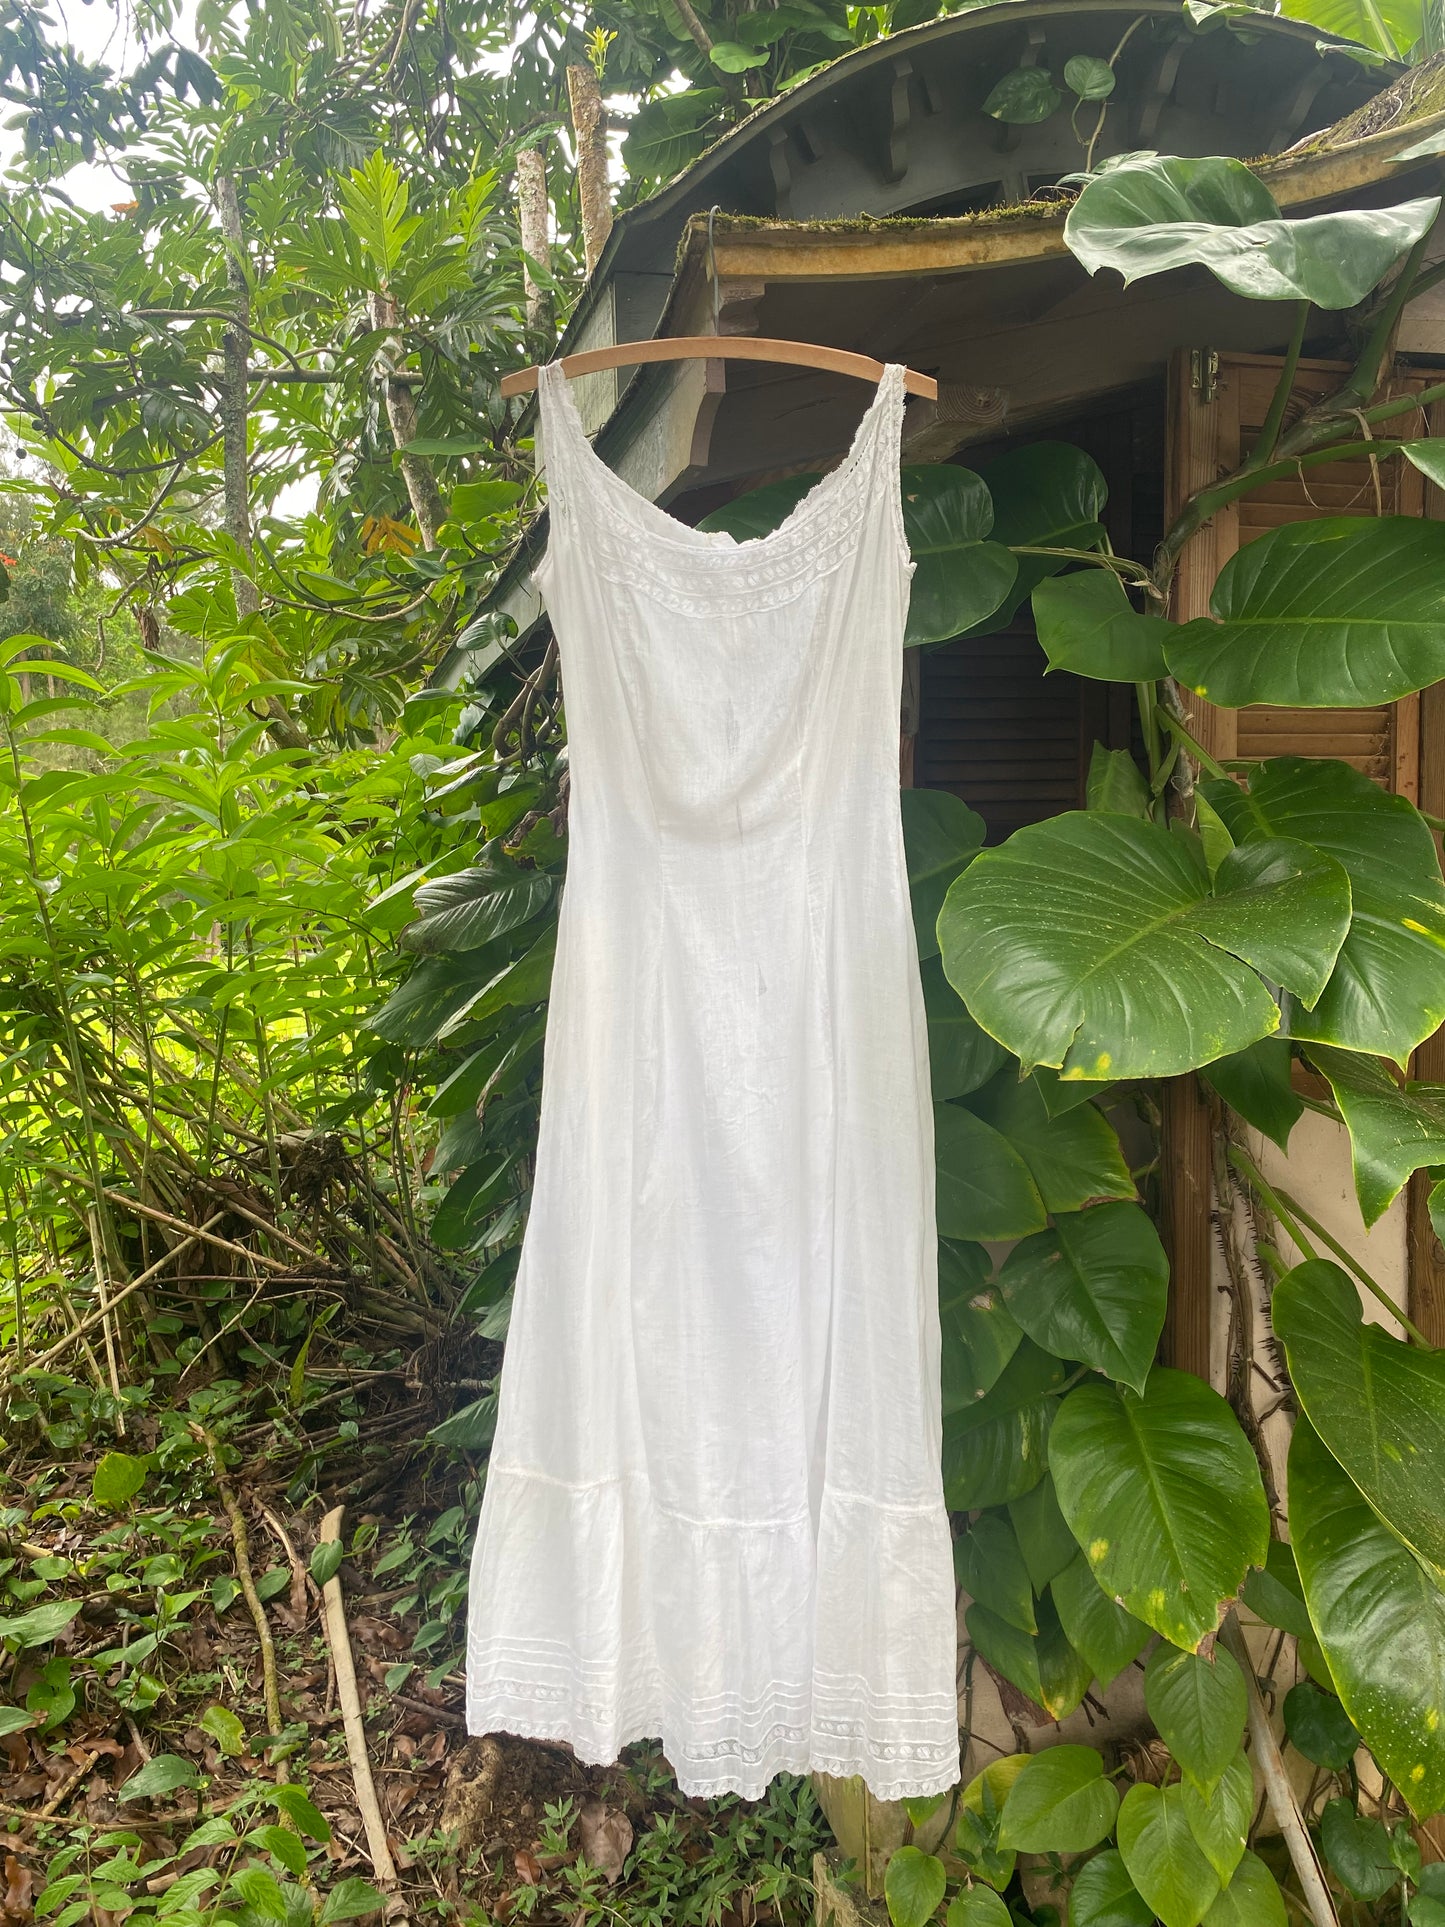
[589, 125]
[421, 484]
[235, 394]
[532, 214]
[235, 429]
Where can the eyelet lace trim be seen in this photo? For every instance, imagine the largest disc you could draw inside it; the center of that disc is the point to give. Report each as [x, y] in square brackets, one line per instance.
[694, 572]
[750, 1740]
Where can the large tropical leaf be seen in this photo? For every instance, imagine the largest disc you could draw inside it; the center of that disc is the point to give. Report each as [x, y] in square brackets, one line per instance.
[467, 909]
[1395, 1127]
[1075, 1158]
[1165, 212]
[1043, 1533]
[1380, 1618]
[426, 1002]
[1252, 1898]
[1103, 1634]
[1361, 20]
[1256, 1083]
[959, 576]
[997, 1449]
[1377, 1403]
[1060, 1803]
[990, 1568]
[668, 133]
[760, 510]
[1087, 624]
[1220, 1820]
[1044, 1665]
[1199, 1706]
[1164, 1495]
[941, 836]
[1095, 943]
[1094, 1287]
[1103, 1895]
[1337, 613]
[1387, 991]
[979, 1335]
[984, 1187]
[1165, 1861]
[961, 1056]
[1049, 495]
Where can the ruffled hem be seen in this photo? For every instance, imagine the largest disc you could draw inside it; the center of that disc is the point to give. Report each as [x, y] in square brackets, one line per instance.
[746, 1649]
[507, 1707]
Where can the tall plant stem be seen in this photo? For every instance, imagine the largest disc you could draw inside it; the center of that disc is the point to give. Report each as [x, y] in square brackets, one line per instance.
[1292, 1214]
[235, 394]
[234, 412]
[107, 1315]
[1175, 725]
[1282, 1802]
[263, 1068]
[1274, 421]
[241, 1542]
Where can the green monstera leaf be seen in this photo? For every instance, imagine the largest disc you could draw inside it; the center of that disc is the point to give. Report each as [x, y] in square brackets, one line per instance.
[1164, 1860]
[1387, 991]
[1199, 1706]
[1380, 1618]
[1087, 624]
[1095, 943]
[997, 1449]
[1164, 1495]
[1044, 1666]
[1074, 1157]
[1333, 614]
[913, 1887]
[1319, 1727]
[979, 1334]
[1023, 97]
[941, 837]
[1093, 1287]
[1060, 1803]
[1396, 1127]
[1106, 1636]
[1252, 1898]
[1389, 27]
[1050, 496]
[1043, 1533]
[1214, 213]
[761, 510]
[1256, 1083]
[1103, 1895]
[990, 1567]
[961, 1056]
[984, 1187]
[1219, 1820]
[1376, 1403]
[959, 576]
[471, 907]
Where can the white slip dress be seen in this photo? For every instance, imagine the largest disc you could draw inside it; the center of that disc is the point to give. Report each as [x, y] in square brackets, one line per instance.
[714, 1508]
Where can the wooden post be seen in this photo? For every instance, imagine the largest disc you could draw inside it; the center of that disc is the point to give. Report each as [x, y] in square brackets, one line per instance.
[589, 125]
[1425, 1253]
[1186, 1177]
[532, 216]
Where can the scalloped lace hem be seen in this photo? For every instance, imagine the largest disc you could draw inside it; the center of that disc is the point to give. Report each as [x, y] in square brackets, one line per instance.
[779, 1739]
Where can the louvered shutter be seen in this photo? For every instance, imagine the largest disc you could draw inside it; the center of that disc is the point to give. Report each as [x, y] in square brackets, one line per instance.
[1217, 407]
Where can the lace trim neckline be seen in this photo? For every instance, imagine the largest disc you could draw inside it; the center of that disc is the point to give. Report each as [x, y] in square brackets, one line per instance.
[560, 413]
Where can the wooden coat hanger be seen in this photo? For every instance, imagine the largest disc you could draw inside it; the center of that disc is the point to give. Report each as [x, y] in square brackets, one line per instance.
[720, 347]
[797, 354]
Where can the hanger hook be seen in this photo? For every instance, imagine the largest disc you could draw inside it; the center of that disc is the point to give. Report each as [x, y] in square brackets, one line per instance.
[712, 213]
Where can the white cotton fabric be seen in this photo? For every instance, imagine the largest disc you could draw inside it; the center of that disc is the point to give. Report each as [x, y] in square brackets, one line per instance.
[714, 1510]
